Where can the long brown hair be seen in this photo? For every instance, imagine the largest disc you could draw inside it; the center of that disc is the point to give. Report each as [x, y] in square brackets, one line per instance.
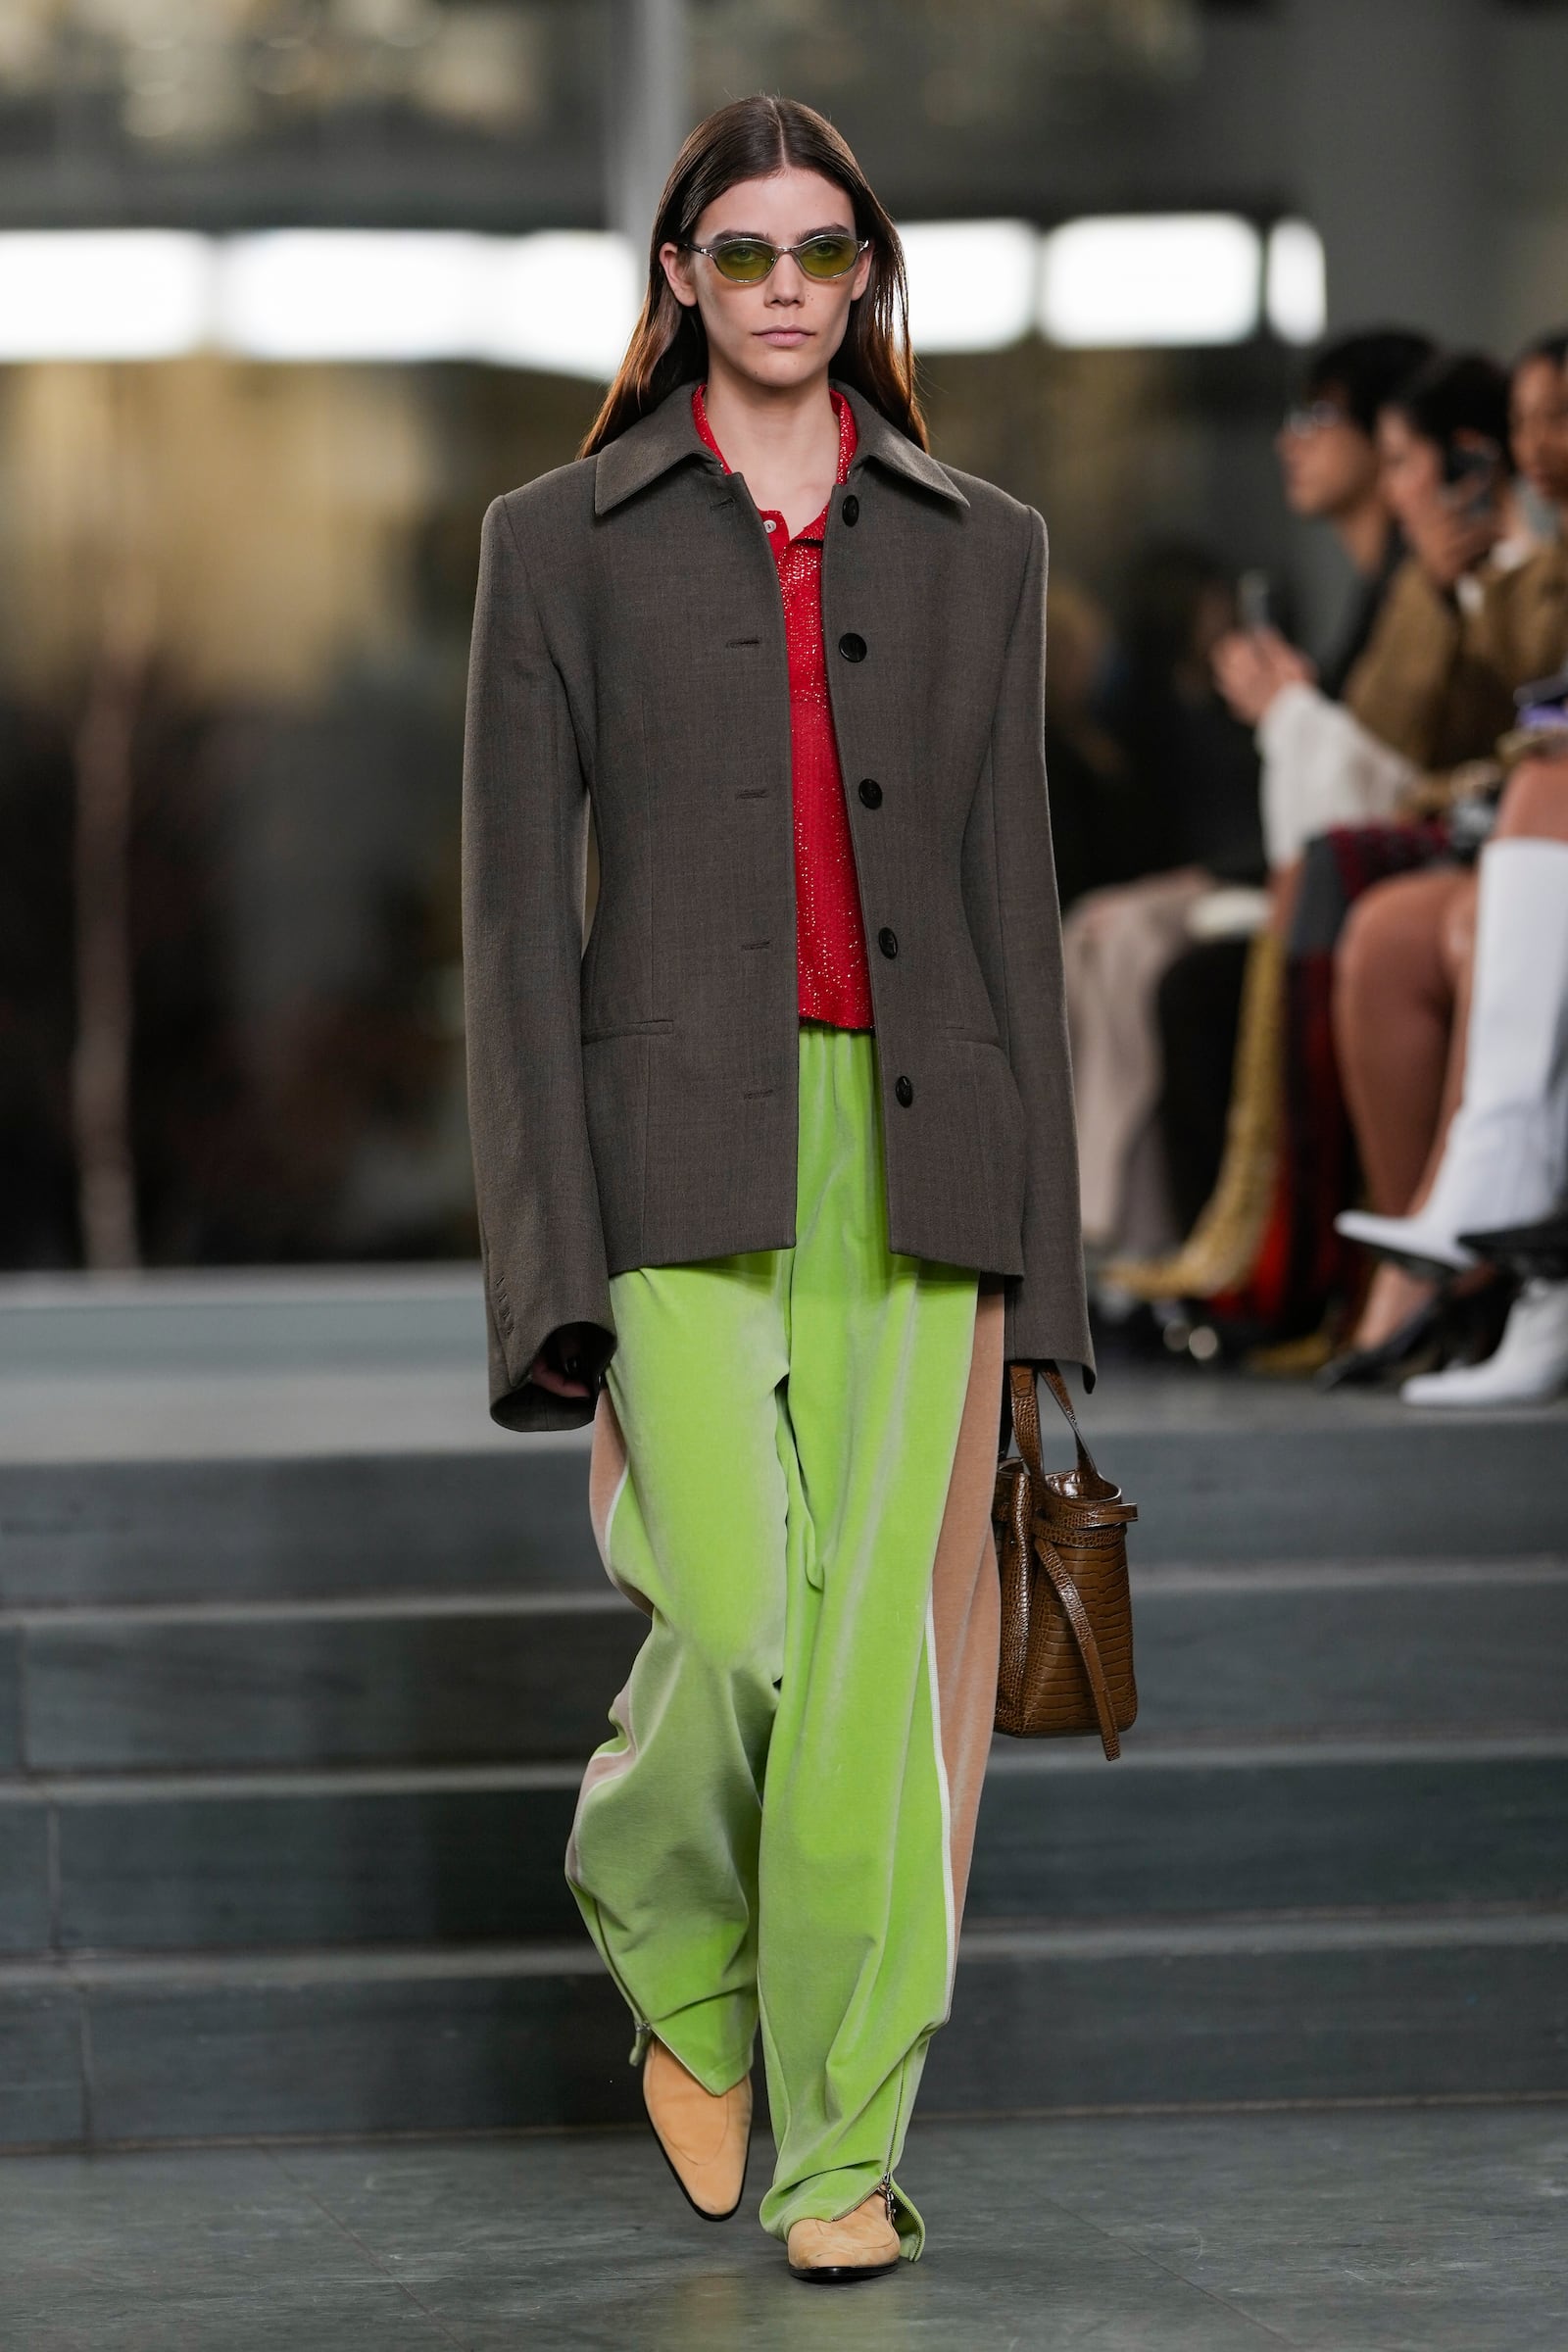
[753, 139]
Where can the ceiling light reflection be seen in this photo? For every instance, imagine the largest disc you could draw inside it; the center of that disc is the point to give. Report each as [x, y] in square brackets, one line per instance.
[1137, 281]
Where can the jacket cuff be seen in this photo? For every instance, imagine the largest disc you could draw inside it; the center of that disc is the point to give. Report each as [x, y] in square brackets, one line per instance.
[1028, 1337]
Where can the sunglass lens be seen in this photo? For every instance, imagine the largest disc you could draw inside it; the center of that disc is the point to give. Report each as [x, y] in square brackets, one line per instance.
[745, 260]
[827, 257]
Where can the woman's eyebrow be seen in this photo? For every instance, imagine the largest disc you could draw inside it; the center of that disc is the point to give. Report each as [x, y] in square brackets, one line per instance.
[828, 228]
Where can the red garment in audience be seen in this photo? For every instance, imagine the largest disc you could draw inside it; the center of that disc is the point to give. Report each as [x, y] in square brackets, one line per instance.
[834, 980]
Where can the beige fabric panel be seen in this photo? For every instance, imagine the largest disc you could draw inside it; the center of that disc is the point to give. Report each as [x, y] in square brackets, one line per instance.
[606, 1476]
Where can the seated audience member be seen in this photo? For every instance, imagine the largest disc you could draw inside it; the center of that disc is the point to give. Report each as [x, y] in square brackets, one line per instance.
[1402, 980]
[1086, 767]
[1329, 464]
[1184, 812]
[1193, 768]
[1471, 613]
[1475, 609]
[1501, 1159]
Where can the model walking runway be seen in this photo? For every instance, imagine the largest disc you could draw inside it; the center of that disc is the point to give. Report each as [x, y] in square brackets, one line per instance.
[778, 1175]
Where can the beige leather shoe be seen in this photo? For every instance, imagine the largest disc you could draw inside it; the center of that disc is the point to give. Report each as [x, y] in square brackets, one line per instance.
[863, 2244]
[705, 2141]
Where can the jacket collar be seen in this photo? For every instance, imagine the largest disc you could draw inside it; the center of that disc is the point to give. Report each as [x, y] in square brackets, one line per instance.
[668, 435]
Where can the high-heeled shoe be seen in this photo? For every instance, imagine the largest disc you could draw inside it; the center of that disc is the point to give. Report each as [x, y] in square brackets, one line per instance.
[1530, 1365]
[1536, 1252]
[1451, 1326]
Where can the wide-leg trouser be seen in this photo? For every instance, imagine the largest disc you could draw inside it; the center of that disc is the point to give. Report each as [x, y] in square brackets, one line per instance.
[791, 1473]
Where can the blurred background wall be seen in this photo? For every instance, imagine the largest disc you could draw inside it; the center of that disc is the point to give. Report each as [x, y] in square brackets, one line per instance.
[289, 289]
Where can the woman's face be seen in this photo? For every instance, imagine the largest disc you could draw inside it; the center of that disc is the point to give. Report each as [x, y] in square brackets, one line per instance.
[786, 329]
[1538, 415]
[1411, 465]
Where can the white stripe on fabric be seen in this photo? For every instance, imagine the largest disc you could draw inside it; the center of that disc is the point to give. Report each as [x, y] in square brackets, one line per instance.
[947, 1900]
[609, 1521]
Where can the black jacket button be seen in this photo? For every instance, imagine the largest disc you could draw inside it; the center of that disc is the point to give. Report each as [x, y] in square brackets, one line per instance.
[888, 941]
[851, 647]
[850, 510]
[870, 792]
[905, 1090]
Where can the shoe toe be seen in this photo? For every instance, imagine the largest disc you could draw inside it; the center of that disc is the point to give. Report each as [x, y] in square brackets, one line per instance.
[705, 2138]
[858, 2245]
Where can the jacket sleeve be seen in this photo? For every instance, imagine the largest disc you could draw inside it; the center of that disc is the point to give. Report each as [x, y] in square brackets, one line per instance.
[1322, 767]
[1045, 1312]
[524, 840]
[1401, 688]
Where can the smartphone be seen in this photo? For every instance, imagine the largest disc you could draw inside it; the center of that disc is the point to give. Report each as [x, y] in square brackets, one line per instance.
[1470, 479]
[1254, 601]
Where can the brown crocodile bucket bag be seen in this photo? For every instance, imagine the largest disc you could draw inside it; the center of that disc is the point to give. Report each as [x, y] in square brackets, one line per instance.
[1067, 1662]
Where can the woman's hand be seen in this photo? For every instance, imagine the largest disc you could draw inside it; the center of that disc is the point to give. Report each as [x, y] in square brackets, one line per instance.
[569, 1346]
[1448, 540]
[1254, 665]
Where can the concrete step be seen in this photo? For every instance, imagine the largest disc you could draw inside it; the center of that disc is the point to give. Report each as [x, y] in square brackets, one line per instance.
[301, 1659]
[232, 1861]
[1452, 1486]
[316, 1683]
[102, 2051]
[291, 1321]
[324, 1435]
[512, 1518]
[1435, 1647]
[296, 1525]
[317, 1427]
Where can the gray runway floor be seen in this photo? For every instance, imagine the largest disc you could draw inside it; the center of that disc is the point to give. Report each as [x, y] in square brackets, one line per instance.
[1441, 2228]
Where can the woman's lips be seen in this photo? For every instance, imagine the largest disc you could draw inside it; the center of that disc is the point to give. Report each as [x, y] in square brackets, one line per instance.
[784, 335]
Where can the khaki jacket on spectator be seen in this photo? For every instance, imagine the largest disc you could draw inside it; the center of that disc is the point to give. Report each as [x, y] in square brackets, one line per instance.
[636, 1104]
[1435, 683]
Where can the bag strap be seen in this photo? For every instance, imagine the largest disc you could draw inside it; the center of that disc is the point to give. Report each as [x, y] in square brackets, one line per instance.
[1083, 1633]
[1086, 1480]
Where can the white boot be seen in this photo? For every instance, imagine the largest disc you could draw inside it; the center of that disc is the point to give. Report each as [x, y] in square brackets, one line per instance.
[1505, 1161]
[1530, 1363]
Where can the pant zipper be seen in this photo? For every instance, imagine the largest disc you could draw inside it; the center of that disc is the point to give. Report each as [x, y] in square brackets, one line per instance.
[885, 2185]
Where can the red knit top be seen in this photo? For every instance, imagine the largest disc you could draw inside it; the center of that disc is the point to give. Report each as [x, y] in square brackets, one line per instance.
[834, 980]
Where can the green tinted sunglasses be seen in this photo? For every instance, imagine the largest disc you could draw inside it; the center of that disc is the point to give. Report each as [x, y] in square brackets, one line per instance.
[747, 261]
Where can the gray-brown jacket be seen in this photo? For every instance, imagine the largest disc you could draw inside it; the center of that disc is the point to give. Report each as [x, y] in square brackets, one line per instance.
[634, 1104]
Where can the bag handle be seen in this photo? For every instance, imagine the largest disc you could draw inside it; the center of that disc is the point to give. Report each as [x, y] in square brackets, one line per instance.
[1083, 1633]
[1084, 1483]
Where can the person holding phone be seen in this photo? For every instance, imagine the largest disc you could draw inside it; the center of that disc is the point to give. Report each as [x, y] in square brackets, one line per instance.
[1330, 473]
[778, 1176]
[1476, 606]
[1155, 968]
[1452, 633]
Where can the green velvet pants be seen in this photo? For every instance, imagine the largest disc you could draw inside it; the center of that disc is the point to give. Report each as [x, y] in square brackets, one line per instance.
[792, 1471]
